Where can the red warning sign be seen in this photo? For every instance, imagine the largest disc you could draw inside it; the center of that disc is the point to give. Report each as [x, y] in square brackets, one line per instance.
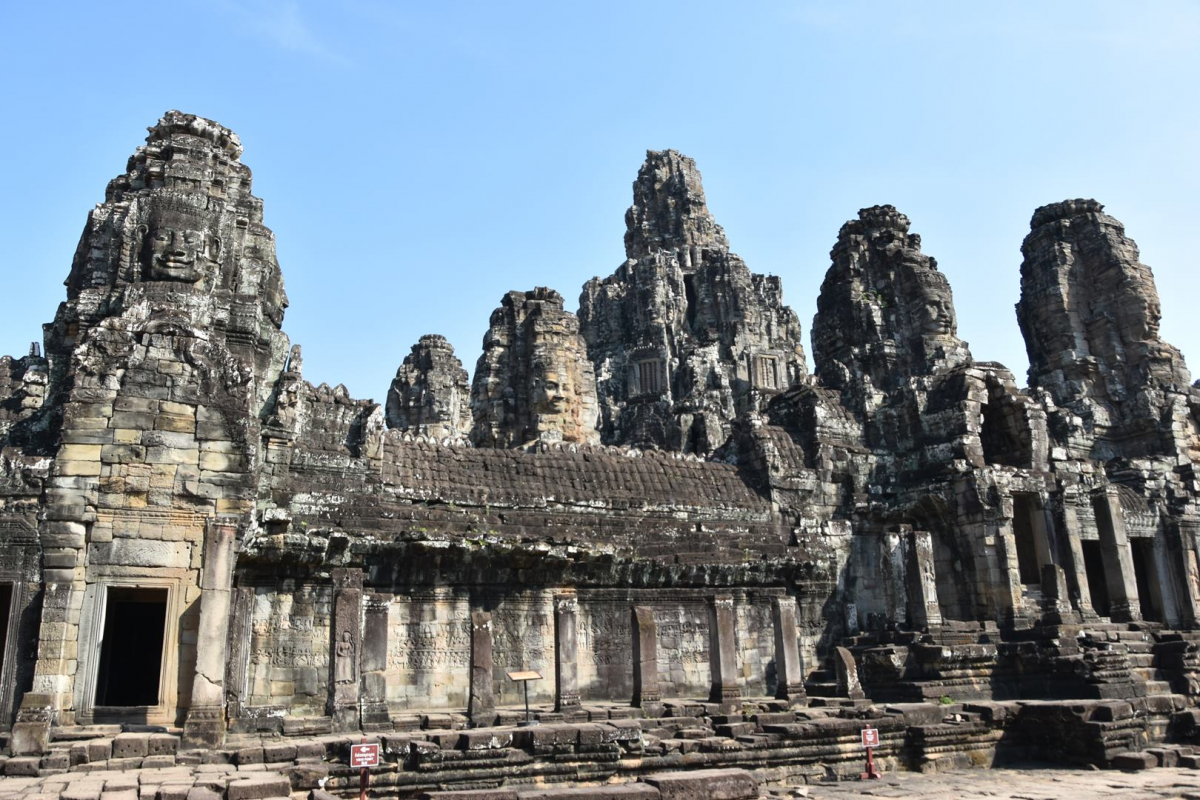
[870, 737]
[364, 755]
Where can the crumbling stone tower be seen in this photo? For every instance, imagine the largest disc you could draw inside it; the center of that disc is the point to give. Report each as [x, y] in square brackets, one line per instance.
[533, 381]
[161, 361]
[429, 395]
[683, 336]
[1122, 415]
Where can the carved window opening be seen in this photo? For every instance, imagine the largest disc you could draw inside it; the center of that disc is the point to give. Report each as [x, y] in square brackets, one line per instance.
[650, 376]
[766, 372]
[131, 651]
[1146, 576]
[1093, 566]
[1005, 431]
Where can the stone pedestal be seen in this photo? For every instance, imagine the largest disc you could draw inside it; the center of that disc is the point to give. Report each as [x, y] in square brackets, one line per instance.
[205, 724]
[722, 652]
[646, 693]
[923, 609]
[346, 649]
[31, 731]
[373, 708]
[481, 705]
[789, 668]
[847, 674]
[566, 654]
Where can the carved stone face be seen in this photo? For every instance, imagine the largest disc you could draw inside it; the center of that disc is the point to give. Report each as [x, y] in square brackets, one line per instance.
[549, 393]
[176, 247]
[936, 318]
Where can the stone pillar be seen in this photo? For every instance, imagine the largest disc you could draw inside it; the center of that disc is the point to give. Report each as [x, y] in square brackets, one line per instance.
[205, 723]
[646, 693]
[789, 666]
[241, 628]
[346, 649]
[566, 654]
[847, 674]
[1077, 578]
[481, 705]
[1009, 596]
[373, 707]
[1056, 607]
[893, 569]
[923, 609]
[1118, 556]
[722, 655]
[1184, 537]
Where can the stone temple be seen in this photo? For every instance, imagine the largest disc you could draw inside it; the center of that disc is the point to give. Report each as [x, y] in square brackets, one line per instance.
[712, 558]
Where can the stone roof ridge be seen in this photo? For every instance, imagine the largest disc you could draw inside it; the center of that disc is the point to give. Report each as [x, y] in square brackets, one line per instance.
[173, 122]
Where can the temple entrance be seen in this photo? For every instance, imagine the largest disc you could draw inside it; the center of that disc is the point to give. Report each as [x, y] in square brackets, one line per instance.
[131, 654]
[1093, 565]
[6, 594]
[1029, 529]
[1149, 592]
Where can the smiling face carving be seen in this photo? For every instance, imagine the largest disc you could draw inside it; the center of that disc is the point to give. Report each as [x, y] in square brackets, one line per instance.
[176, 247]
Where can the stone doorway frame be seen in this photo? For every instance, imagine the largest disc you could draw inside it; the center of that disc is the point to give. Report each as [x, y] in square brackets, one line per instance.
[91, 640]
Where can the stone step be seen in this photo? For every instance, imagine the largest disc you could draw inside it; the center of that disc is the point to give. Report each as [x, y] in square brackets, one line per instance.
[821, 689]
[76, 733]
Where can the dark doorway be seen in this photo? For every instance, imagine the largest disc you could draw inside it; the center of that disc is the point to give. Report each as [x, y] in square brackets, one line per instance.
[1027, 558]
[1146, 576]
[1093, 565]
[131, 653]
[6, 593]
[689, 292]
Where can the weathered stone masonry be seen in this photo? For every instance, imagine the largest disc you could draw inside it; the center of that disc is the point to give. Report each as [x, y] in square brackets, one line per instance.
[652, 504]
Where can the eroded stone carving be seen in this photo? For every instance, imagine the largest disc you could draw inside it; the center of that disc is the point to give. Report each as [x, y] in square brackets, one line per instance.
[533, 381]
[683, 336]
[429, 395]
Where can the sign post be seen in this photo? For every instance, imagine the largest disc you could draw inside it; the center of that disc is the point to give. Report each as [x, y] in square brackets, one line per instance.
[364, 756]
[870, 740]
[525, 677]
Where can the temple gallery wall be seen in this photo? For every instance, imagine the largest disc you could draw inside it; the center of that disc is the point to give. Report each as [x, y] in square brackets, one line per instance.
[650, 503]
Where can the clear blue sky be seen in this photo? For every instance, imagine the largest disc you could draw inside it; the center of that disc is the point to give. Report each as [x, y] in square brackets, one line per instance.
[418, 160]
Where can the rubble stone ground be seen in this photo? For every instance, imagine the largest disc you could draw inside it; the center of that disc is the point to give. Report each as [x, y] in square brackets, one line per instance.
[1028, 782]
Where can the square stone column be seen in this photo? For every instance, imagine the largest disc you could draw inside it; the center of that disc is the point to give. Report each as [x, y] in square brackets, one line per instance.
[646, 693]
[566, 654]
[237, 667]
[346, 649]
[894, 565]
[1056, 606]
[923, 609]
[722, 653]
[374, 710]
[205, 724]
[1118, 556]
[1076, 569]
[789, 667]
[481, 703]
